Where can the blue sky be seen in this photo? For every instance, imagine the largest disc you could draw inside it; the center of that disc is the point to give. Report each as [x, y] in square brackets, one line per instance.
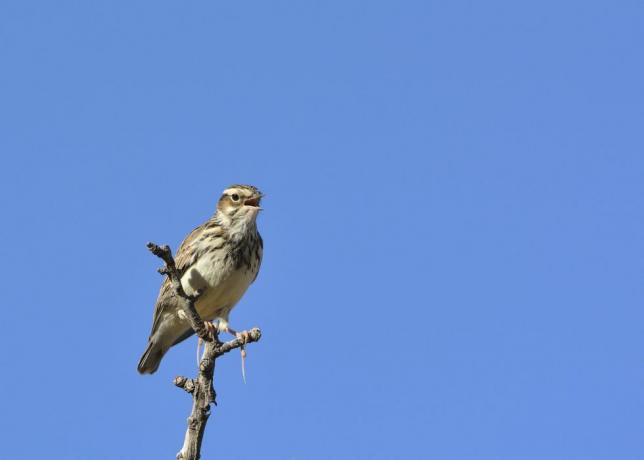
[453, 227]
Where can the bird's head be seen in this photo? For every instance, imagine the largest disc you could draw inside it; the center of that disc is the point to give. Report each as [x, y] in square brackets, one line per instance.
[239, 203]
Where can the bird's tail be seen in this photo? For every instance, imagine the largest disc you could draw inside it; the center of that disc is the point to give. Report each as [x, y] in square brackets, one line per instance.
[149, 362]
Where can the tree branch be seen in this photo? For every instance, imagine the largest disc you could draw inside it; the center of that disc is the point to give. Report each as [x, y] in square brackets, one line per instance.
[201, 388]
[170, 269]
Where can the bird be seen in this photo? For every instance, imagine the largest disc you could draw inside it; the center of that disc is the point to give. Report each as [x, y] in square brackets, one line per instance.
[217, 261]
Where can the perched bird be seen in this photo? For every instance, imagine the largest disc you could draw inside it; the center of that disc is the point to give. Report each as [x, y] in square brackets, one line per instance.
[219, 260]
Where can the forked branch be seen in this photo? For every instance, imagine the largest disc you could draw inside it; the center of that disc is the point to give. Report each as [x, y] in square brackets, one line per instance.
[201, 387]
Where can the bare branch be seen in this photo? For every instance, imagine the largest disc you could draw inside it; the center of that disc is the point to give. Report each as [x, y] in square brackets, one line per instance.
[201, 388]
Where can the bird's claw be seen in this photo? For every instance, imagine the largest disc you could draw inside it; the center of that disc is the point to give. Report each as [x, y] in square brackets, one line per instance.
[244, 336]
[211, 329]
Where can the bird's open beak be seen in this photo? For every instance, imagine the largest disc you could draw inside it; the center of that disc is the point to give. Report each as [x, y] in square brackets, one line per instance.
[253, 202]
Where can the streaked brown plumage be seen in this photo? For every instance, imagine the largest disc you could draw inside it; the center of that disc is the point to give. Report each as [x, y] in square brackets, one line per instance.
[220, 259]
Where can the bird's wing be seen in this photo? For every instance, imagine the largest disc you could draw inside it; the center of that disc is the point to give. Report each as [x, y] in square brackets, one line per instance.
[186, 256]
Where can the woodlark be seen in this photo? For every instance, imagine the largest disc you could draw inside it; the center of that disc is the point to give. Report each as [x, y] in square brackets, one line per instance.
[219, 259]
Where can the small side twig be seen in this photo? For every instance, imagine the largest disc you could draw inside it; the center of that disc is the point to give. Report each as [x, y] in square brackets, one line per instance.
[201, 388]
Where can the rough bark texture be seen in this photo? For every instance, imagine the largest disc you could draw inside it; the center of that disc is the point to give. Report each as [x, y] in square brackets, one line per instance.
[201, 388]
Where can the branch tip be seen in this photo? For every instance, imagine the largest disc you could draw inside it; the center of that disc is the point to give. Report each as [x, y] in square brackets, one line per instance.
[184, 383]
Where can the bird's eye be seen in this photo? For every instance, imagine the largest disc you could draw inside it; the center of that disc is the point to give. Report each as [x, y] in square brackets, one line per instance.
[235, 197]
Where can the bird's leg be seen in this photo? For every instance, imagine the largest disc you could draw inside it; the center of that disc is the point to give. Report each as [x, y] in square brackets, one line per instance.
[223, 326]
[198, 350]
[211, 329]
[244, 336]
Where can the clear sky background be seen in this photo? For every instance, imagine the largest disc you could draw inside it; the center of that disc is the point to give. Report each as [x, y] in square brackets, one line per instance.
[453, 231]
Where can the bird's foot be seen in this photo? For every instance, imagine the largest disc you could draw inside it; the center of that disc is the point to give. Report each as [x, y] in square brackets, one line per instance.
[243, 362]
[199, 341]
[244, 336]
[212, 329]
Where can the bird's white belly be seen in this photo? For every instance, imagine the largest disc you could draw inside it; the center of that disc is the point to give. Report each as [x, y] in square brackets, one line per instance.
[221, 286]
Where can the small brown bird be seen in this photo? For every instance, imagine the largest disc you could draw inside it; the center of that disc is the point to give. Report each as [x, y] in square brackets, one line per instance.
[219, 259]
